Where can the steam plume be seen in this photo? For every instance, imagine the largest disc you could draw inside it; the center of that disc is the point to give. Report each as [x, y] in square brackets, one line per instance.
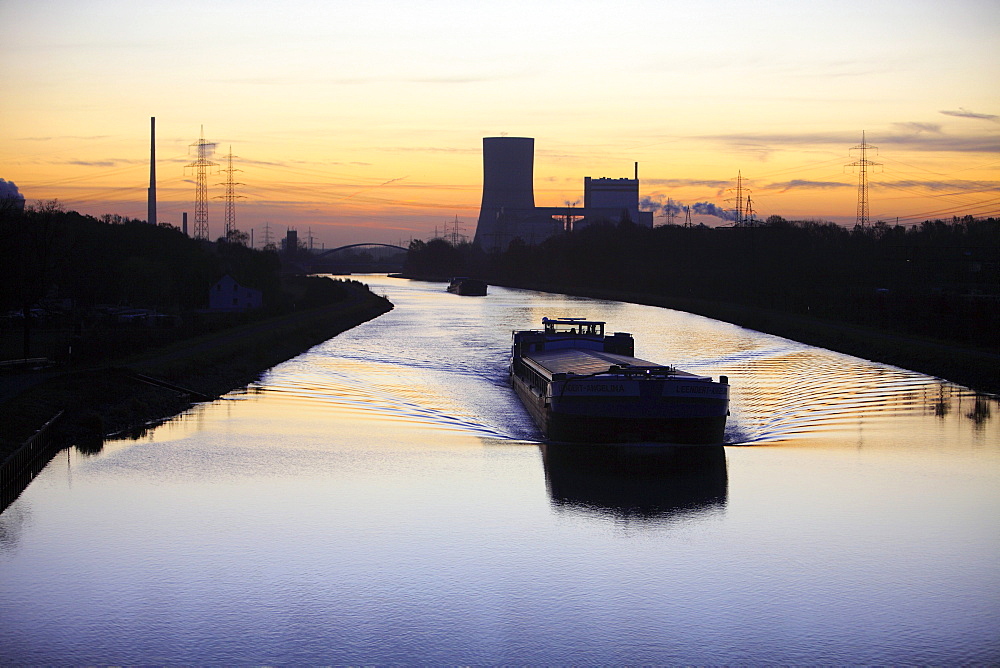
[9, 191]
[710, 209]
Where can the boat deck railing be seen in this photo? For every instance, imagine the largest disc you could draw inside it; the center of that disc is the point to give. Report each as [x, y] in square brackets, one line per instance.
[628, 371]
[631, 371]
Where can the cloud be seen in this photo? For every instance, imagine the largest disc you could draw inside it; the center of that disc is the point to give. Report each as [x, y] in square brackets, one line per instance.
[102, 162]
[685, 183]
[92, 163]
[924, 140]
[952, 144]
[955, 187]
[445, 79]
[264, 163]
[64, 137]
[754, 150]
[801, 184]
[456, 79]
[428, 149]
[965, 113]
[398, 178]
[292, 164]
[919, 127]
[786, 140]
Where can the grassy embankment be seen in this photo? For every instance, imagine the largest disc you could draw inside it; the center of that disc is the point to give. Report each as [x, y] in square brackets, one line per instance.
[109, 398]
[975, 368]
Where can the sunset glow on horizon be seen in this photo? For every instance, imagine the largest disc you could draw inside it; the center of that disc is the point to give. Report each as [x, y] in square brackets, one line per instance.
[363, 122]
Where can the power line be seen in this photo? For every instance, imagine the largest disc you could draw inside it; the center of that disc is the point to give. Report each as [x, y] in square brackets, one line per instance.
[960, 202]
[967, 210]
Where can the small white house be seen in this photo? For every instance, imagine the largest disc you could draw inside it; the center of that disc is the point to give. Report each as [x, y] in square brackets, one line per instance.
[228, 295]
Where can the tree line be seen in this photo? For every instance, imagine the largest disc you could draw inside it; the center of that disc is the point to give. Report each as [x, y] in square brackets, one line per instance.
[939, 279]
[63, 269]
[46, 252]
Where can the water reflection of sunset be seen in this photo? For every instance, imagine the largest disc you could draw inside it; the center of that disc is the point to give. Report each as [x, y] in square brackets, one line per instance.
[383, 499]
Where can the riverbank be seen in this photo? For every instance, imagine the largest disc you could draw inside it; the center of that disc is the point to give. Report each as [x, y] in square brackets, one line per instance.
[129, 393]
[972, 367]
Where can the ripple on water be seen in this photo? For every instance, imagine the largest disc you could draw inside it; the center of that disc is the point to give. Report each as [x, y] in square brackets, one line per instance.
[787, 394]
[391, 391]
[446, 368]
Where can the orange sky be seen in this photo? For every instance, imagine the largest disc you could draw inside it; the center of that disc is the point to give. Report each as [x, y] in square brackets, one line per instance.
[364, 121]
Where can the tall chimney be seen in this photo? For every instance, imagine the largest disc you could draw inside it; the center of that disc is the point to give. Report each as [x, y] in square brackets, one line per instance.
[184, 227]
[636, 171]
[151, 193]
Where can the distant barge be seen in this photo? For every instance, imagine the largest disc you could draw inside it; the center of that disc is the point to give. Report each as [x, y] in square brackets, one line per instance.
[468, 286]
[582, 386]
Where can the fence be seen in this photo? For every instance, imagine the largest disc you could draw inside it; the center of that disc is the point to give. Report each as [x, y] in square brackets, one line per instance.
[22, 465]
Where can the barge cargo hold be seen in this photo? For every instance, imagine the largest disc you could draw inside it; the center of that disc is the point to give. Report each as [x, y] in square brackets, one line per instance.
[580, 385]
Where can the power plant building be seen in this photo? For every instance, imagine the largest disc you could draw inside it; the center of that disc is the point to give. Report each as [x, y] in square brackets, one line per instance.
[508, 208]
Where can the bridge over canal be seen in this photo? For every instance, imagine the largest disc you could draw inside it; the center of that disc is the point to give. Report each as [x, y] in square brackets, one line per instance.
[360, 258]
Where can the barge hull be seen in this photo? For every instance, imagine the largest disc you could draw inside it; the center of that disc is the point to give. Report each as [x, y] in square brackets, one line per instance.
[574, 427]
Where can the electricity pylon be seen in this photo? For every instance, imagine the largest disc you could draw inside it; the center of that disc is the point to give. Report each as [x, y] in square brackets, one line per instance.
[230, 195]
[201, 167]
[738, 222]
[863, 163]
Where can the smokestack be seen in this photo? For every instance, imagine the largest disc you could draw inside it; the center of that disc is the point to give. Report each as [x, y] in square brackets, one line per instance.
[184, 225]
[151, 193]
[636, 171]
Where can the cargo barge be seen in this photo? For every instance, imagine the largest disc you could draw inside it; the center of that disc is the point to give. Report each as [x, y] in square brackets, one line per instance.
[580, 385]
[463, 285]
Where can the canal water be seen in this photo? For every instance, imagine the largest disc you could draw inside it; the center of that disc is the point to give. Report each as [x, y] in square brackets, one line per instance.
[384, 499]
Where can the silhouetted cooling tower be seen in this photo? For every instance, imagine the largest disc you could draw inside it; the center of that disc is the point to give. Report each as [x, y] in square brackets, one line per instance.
[507, 184]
